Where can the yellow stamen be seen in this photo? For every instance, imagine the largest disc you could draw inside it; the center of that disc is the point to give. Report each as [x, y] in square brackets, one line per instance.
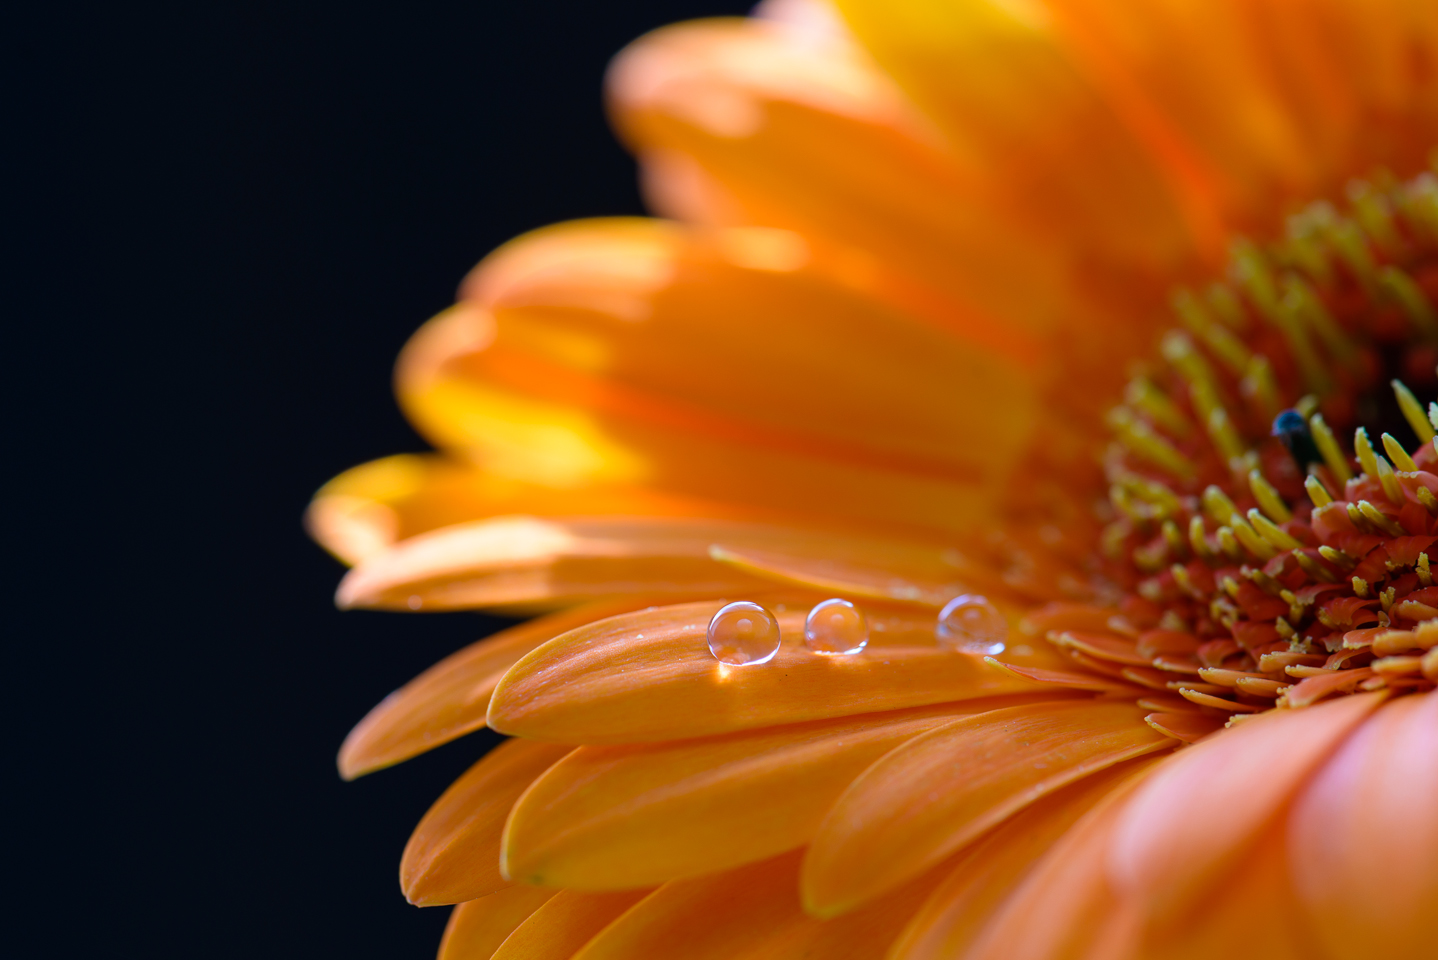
[1224, 435]
[1250, 539]
[1413, 412]
[1313, 568]
[1145, 443]
[1174, 537]
[1360, 588]
[1397, 454]
[1142, 395]
[1402, 289]
[1379, 520]
[1391, 489]
[1430, 502]
[1260, 387]
[1363, 449]
[1337, 557]
[1271, 532]
[1198, 540]
[1316, 491]
[1221, 341]
[1268, 499]
[1328, 446]
[1425, 575]
[1231, 547]
[1217, 504]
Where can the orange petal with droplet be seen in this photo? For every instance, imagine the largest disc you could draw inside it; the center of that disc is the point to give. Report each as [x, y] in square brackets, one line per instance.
[451, 698]
[453, 855]
[650, 676]
[565, 923]
[940, 791]
[1194, 816]
[1363, 837]
[609, 818]
[752, 912]
[954, 914]
[533, 561]
[478, 927]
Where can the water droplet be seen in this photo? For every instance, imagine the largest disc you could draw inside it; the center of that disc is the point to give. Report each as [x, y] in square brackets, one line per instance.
[836, 628]
[743, 633]
[971, 624]
[414, 603]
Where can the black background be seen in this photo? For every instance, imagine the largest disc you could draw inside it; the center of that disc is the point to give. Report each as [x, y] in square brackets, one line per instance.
[224, 221]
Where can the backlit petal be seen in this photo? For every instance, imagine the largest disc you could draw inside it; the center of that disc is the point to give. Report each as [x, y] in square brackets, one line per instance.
[529, 561]
[451, 698]
[1363, 837]
[478, 927]
[565, 923]
[1194, 816]
[453, 855]
[940, 791]
[650, 676]
[624, 816]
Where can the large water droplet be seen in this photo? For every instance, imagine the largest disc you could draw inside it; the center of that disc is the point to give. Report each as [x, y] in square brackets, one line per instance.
[971, 624]
[743, 634]
[836, 628]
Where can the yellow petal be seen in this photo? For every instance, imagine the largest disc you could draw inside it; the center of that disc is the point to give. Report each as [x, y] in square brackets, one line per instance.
[650, 676]
[451, 698]
[625, 816]
[739, 121]
[1193, 817]
[954, 914]
[940, 791]
[565, 923]
[453, 854]
[1363, 837]
[530, 561]
[752, 912]
[478, 927]
[998, 79]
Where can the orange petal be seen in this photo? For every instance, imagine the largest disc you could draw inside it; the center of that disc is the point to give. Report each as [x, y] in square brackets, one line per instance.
[752, 912]
[1363, 837]
[451, 698]
[940, 791]
[1000, 81]
[740, 121]
[453, 854]
[954, 914]
[625, 816]
[1188, 727]
[478, 927]
[1195, 814]
[529, 561]
[650, 676]
[564, 924]
[369, 508]
[1061, 678]
[1062, 905]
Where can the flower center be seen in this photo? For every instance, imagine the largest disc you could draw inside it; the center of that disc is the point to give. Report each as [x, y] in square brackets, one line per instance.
[1263, 563]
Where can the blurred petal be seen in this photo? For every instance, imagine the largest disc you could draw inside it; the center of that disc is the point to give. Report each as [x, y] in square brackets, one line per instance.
[451, 698]
[1193, 817]
[942, 790]
[532, 561]
[564, 924]
[477, 928]
[954, 914]
[453, 854]
[1000, 82]
[618, 817]
[1363, 837]
[752, 912]
[650, 676]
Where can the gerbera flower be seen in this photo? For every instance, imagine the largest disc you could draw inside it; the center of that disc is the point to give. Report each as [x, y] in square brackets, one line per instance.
[1035, 333]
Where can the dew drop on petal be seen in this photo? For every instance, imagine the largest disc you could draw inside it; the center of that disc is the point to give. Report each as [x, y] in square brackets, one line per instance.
[971, 624]
[743, 634]
[836, 628]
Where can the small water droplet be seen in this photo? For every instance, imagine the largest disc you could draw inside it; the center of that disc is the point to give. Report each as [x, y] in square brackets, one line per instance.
[414, 603]
[743, 634]
[971, 624]
[836, 628]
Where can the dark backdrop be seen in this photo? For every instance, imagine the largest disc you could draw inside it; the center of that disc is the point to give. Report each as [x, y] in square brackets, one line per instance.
[225, 219]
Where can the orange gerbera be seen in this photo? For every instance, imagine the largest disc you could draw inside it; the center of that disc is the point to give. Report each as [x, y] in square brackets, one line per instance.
[952, 319]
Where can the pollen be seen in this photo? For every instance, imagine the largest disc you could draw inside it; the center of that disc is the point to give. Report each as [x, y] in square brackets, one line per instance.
[1265, 564]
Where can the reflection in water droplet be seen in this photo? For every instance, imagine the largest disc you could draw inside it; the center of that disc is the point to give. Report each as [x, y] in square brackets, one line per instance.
[836, 628]
[743, 634]
[971, 624]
